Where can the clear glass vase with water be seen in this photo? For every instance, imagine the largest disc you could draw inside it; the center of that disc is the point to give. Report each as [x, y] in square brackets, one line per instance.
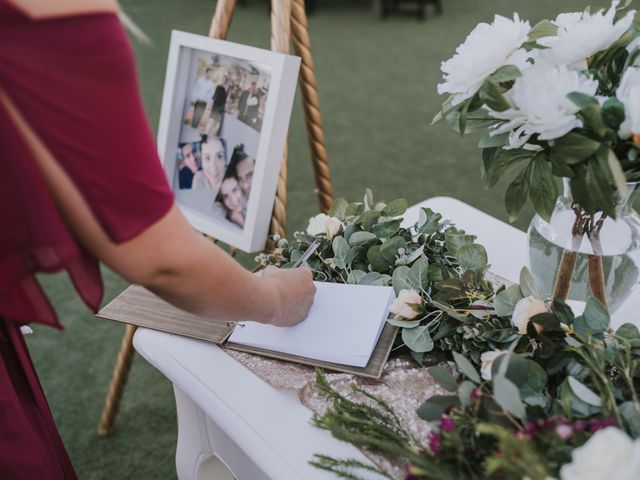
[613, 250]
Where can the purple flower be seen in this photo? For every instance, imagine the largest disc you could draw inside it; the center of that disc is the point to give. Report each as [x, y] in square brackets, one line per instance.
[447, 424]
[434, 442]
[476, 394]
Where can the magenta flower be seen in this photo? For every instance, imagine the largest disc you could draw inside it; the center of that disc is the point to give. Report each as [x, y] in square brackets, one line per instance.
[434, 443]
[447, 424]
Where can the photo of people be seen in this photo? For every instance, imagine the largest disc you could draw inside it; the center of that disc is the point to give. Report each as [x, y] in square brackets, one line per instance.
[223, 110]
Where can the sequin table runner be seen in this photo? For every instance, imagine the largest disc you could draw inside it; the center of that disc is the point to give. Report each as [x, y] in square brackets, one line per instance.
[403, 385]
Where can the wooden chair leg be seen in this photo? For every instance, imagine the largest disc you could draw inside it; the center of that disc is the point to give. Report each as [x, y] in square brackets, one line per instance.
[118, 382]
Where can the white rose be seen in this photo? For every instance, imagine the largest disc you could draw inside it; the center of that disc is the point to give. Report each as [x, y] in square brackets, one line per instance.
[582, 34]
[403, 305]
[629, 94]
[323, 224]
[525, 309]
[487, 359]
[609, 454]
[316, 224]
[487, 48]
[540, 104]
[332, 227]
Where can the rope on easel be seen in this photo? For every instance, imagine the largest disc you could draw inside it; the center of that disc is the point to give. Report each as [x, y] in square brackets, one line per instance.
[222, 19]
[311, 104]
[118, 382]
[280, 38]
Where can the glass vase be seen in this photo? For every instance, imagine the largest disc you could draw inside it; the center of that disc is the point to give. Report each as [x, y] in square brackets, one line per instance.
[574, 255]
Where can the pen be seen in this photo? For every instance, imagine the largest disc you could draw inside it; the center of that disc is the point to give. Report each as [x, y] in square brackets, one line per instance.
[308, 252]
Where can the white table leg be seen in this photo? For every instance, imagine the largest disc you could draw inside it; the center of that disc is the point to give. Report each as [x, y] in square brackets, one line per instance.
[204, 451]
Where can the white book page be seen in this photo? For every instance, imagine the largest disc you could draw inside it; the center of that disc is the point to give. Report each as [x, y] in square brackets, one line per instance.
[343, 326]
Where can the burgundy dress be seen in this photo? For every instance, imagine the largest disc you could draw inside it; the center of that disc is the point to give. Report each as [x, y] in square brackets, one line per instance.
[73, 80]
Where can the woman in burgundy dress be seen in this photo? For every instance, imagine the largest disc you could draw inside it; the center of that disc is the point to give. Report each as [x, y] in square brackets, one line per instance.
[81, 183]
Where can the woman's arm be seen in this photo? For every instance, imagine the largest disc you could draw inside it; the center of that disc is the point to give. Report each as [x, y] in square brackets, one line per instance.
[174, 261]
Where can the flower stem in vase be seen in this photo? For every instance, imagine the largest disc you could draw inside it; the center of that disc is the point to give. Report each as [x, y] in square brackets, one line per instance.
[565, 274]
[595, 267]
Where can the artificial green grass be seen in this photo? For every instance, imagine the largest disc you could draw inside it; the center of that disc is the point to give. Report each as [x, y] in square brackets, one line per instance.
[377, 87]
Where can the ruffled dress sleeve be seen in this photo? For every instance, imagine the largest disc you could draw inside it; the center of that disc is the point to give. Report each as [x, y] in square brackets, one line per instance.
[75, 84]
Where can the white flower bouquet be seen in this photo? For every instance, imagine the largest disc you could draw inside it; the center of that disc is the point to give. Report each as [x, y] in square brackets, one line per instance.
[561, 99]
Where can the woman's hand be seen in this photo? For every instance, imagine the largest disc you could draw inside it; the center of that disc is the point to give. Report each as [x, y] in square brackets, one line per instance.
[294, 291]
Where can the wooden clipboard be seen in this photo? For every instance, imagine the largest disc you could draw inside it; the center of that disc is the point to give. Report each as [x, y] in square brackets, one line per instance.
[138, 306]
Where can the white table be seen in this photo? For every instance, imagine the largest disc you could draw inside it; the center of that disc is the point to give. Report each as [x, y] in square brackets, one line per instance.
[225, 411]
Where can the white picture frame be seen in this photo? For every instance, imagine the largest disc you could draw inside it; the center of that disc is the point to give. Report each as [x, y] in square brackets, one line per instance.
[258, 87]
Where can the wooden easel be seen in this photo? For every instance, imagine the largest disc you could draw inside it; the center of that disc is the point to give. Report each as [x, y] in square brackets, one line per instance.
[288, 25]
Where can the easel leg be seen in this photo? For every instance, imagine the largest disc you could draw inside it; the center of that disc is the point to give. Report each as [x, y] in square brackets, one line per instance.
[280, 38]
[311, 104]
[118, 382]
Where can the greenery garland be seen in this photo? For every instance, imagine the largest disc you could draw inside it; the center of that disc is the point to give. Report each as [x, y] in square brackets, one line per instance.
[532, 382]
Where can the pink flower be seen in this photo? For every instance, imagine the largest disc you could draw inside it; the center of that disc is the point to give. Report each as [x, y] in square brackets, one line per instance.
[564, 431]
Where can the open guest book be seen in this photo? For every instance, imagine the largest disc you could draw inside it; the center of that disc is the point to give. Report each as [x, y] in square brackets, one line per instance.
[346, 329]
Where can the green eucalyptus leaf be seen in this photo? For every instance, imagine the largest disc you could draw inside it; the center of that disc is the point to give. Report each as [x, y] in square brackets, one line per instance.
[386, 229]
[389, 248]
[340, 248]
[472, 257]
[506, 300]
[418, 338]
[428, 221]
[630, 412]
[464, 393]
[376, 279]
[360, 238]
[517, 368]
[466, 367]
[528, 285]
[443, 376]
[400, 279]
[369, 219]
[355, 276]
[432, 409]
[356, 253]
[584, 393]
[368, 200]
[403, 323]
[418, 275]
[376, 260]
[454, 239]
[507, 395]
[395, 208]
[339, 208]
[630, 333]
[596, 315]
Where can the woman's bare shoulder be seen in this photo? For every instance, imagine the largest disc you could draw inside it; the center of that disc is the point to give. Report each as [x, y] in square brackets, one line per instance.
[41, 9]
